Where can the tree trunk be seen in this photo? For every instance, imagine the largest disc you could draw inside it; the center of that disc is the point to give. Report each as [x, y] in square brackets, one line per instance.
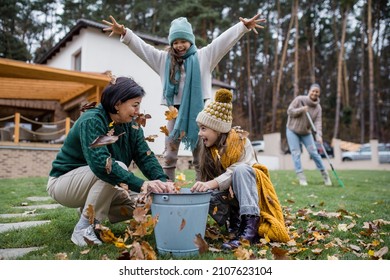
[280, 72]
[370, 72]
[249, 84]
[362, 90]
[296, 53]
[339, 75]
[346, 89]
[276, 63]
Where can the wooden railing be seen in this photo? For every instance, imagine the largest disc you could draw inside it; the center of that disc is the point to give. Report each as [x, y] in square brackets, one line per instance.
[48, 132]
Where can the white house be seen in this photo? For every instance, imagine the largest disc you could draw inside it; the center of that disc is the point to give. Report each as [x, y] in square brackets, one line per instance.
[87, 48]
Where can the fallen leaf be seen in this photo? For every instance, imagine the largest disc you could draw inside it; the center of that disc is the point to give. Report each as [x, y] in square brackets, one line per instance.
[243, 254]
[317, 251]
[61, 256]
[149, 253]
[342, 227]
[201, 244]
[279, 254]
[355, 248]
[381, 252]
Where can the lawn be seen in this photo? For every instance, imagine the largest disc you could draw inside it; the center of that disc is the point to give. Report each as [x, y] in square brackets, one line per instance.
[346, 223]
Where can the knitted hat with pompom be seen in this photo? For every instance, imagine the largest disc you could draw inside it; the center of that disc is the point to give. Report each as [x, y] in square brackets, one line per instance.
[217, 115]
[181, 29]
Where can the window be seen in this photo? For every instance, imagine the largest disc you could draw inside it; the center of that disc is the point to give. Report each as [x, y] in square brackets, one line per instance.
[77, 61]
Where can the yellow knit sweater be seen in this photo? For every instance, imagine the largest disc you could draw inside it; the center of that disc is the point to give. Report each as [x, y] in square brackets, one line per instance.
[271, 216]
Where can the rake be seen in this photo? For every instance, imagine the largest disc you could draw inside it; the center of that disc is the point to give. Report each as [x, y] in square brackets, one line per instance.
[326, 154]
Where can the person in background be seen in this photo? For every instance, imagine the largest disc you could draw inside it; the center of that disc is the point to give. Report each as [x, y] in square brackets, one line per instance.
[91, 169]
[186, 76]
[243, 195]
[299, 131]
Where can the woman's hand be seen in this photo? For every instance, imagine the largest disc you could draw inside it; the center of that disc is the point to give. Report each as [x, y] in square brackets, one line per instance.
[158, 186]
[114, 27]
[253, 23]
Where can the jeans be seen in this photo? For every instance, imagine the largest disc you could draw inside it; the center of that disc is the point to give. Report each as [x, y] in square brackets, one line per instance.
[246, 196]
[171, 154]
[294, 142]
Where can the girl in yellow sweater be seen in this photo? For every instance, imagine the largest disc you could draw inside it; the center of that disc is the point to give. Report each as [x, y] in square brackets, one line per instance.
[251, 208]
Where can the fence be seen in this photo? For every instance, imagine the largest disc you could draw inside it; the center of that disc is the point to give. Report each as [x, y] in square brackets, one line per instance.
[49, 132]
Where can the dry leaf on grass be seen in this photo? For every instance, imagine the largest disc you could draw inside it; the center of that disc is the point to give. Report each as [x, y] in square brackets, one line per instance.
[201, 244]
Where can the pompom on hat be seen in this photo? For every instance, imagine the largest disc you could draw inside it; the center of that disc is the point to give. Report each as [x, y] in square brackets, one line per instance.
[181, 29]
[217, 115]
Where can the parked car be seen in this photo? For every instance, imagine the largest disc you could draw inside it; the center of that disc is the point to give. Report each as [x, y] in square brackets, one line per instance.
[364, 153]
[258, 145]
[328, 149]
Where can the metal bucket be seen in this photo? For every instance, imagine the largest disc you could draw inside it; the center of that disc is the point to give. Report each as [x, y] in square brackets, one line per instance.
[181, 217]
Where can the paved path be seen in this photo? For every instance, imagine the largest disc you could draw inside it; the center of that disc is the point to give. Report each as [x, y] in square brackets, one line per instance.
[13, 253]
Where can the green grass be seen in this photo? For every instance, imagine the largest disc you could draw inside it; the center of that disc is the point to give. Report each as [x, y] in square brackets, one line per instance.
[310, 214]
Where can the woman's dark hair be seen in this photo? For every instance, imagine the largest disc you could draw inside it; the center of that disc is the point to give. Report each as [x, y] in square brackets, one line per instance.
[121, 90]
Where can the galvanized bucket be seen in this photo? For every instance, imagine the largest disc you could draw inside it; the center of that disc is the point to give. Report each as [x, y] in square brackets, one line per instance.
[181, 217]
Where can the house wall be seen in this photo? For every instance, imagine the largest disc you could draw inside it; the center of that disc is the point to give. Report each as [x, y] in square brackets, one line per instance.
[101, 53]
[25, 160]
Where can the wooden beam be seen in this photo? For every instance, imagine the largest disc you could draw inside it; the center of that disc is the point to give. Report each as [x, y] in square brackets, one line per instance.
[18, 69]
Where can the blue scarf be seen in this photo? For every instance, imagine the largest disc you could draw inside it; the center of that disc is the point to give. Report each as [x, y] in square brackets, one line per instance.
[192, 99]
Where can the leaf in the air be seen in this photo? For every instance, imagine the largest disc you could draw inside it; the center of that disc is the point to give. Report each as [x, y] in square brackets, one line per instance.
[91, 214]
[181, 177]
[164, 130]
[109, 164]
[104, 140]
[88, 106]
[141, 119]
[151, 138]
[171, 114]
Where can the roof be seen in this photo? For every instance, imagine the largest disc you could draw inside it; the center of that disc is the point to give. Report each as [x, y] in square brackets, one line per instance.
[84, 23]
[20, 80]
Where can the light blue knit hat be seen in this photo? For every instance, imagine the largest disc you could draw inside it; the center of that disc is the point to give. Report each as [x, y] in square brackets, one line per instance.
[181, 29]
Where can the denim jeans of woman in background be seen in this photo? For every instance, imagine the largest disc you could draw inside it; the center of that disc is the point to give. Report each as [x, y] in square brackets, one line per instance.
[294, 142]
